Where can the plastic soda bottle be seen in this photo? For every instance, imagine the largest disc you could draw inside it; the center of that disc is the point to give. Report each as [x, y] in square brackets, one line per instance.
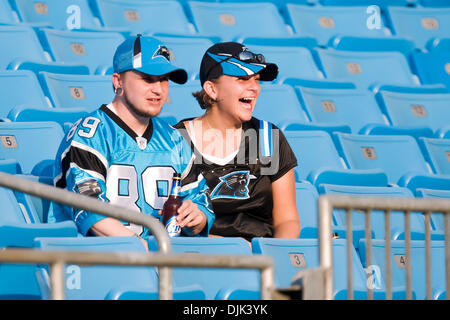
[171, 206]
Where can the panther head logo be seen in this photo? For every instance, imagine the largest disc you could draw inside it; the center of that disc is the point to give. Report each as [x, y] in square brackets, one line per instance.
[232, 185]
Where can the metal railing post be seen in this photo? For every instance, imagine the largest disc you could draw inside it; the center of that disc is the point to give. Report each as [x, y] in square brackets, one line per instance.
[94, 205]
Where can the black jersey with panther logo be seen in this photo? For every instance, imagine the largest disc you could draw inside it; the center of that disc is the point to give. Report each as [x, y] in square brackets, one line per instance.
[241, 190]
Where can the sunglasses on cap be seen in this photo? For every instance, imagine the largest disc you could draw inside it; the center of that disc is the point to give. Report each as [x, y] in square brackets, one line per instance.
[245, 56]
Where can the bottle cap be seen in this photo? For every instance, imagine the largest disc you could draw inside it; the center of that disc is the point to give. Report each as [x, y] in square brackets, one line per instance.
[176, 175]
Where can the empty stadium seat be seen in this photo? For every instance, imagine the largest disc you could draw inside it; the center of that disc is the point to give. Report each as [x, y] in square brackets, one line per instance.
[93, 49]
[181, 104]
[416, 109]
[292, 61]
[7, 15]
[306, 197]
[434, 3]
[13, 84]
[366, 69]
[381, 3]
[419, 24]
[352, 107]
[217, 283]
[319, 161]
[418, 267]
[293, 255]
[377, 229]
[20, 42]
[77, 91]
[32, 144]
[187, 52]
[324, 22]
[432, 67]
[396, 155]
[64, 117]
[437, 219]
[59, 14]
[144, 16]
[18, 228]
[95, 282]
[280, 105]
[231, 21]
[437, 153]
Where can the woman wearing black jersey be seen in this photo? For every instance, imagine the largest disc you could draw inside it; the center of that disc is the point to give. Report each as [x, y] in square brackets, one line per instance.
[247, 163]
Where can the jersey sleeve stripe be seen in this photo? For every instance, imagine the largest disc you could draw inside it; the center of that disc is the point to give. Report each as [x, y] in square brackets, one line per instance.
[83, 159]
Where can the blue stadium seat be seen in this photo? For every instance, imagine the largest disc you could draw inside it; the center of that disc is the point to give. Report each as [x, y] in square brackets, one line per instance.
[437, 219]
[181, 104]
[51, 67]
[231, 21]
[377, 217]
[352, 107]
[20, 42]
[434, 3]
[416, 109]
[59, 14]
[381, 3]
[432, 67]
[398, 262]
[32, 144]
[13, 84]
[323, 22]
[144, 16]
[439, 44]
[306, 197]
[19, 281]
[352, 43]
[383, 152]
[193, 292]
[292, 61]
[7, 15]
[64, 117]
[95, 282]
[366, 68]
[78, 91]
[18, 228]
[419, 24]
[319, 161]
[437, 153]
[93, 49]
[283, 99]
[293, 255]
[10, 166]
[187, 52]
[217, 283]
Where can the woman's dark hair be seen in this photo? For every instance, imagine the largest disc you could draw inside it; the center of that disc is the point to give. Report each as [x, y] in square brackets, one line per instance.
[203, 99]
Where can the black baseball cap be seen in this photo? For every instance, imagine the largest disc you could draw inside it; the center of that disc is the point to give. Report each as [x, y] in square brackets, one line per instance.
[235, 59]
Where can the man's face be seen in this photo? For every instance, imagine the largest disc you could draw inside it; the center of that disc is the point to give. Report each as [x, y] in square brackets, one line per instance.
[144, 94]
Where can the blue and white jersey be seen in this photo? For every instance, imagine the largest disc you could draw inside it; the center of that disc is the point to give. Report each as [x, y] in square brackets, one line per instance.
[102, 157]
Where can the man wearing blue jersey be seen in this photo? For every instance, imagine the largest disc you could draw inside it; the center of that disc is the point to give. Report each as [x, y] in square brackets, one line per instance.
[124, 155]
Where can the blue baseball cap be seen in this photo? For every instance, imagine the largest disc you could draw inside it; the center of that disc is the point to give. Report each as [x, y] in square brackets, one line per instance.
[235, 59]
[147, 55]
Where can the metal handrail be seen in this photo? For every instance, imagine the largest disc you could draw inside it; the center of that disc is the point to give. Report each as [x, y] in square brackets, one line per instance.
[58, 260]
[164, 259]
[94, 205]
[326, 205]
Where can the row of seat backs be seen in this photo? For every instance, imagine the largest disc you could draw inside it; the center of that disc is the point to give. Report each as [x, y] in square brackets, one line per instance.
[233, 19]
[95, 50]
[290, 257]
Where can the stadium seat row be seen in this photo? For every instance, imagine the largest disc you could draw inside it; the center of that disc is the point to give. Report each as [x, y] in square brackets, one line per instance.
[231, 19]
[290, 256]
[304, 104]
